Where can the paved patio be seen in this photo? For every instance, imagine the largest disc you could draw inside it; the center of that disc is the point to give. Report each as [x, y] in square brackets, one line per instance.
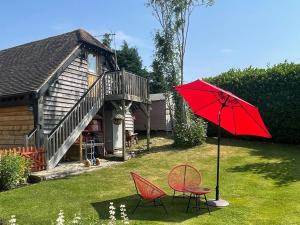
[71, 168]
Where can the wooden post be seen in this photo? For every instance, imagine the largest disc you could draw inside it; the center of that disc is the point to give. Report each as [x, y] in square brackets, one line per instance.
[123, 113]
[148, 114]
[103, 128]
[148, 126]
[123, 131]
[80, 148]
[39, 121]
[123, 82]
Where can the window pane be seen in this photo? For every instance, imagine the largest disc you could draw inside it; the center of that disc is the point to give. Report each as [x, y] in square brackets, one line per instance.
[92, 65]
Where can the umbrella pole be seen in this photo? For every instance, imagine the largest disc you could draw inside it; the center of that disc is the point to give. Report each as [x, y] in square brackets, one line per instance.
[218, 158]
[219, 202]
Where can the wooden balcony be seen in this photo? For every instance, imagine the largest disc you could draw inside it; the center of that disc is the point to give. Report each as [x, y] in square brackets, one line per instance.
[121, 85]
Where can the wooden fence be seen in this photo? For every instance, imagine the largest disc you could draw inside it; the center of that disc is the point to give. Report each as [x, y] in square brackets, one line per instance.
[37, 156]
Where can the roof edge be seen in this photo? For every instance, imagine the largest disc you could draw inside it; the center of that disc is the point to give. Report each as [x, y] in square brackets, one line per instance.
[65, 63]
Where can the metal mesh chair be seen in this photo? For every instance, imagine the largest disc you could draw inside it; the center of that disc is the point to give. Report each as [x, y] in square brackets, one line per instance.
[184, 177]
[148, 191]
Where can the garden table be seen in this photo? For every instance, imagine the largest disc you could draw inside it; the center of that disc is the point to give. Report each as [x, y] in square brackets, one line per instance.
[196, 193]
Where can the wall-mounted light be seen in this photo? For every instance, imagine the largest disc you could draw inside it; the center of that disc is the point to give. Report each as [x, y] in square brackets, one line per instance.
[118, 118]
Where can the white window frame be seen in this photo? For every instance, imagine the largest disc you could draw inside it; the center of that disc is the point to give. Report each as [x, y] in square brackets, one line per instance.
[96, 65]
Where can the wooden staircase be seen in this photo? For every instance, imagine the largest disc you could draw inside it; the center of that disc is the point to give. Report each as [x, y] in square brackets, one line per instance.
[70, 127]
[111, 86]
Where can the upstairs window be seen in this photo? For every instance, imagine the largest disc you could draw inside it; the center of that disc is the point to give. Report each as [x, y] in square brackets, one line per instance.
[92, 63]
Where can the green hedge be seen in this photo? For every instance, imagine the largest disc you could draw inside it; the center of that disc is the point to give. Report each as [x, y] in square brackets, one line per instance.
[275, 91]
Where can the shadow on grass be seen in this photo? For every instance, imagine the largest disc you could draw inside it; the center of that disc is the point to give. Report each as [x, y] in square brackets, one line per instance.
[281, 160]
[283, 173]
[162, 148]
[176, 209]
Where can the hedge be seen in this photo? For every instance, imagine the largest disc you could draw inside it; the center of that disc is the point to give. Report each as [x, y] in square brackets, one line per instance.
[275, 91]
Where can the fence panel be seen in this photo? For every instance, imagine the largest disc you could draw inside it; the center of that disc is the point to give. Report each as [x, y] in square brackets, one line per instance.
[36, 155]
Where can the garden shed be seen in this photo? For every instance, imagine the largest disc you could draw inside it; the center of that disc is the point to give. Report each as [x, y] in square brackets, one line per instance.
[160, 115]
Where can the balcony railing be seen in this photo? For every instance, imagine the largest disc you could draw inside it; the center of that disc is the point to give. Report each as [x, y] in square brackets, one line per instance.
[125, 85]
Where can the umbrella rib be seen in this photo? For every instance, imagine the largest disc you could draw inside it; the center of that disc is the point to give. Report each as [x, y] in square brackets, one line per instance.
[253, 118]
[205, 106]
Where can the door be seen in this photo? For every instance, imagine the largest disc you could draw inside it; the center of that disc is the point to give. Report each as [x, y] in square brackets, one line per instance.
[117, 134]
[91, 79]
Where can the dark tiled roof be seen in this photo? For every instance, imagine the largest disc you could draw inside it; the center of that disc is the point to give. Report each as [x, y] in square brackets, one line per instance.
[25, 68]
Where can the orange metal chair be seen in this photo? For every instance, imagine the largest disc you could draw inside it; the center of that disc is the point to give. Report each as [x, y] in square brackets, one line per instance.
[185, 178]
[182, 177]
[148, 191]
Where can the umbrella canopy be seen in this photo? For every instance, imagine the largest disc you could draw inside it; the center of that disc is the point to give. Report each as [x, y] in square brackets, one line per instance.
[237, 116]
[227, 111]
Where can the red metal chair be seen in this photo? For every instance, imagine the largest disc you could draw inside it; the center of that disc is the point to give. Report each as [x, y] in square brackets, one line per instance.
[185, 178]
[148, 191]
[182, 177]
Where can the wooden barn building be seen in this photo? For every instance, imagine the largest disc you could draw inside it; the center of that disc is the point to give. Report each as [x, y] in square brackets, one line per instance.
[60, 91]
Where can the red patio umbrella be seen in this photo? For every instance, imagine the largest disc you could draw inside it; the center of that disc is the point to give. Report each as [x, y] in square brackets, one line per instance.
[227, 111]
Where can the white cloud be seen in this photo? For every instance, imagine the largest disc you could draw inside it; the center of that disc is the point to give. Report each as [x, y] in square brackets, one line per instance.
[131, 40]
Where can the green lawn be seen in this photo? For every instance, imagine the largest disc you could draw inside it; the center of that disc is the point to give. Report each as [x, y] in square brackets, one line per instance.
[260, 180]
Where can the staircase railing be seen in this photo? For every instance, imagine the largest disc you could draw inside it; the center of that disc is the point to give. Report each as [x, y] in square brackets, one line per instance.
[31, 138]
[92, 100]
[122, 82]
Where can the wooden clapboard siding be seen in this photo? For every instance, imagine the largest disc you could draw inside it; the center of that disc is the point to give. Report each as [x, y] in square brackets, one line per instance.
[15, 123]
[64, 93]
[129, 121]
[159, 117]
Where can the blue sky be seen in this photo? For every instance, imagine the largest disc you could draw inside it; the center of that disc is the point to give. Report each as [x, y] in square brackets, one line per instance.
[230, 34]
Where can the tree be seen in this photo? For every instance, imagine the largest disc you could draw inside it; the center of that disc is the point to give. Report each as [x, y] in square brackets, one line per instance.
[130, 60]
[164, 69]
[170, 42]
[156, 79]
[106, 40]
[174, 19]
[182, 13]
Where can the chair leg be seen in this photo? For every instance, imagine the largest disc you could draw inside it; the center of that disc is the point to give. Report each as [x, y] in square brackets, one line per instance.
[137, 205]
[207, 204]
[197, 202]
[163, 205]
[187, 208]
[173, 195]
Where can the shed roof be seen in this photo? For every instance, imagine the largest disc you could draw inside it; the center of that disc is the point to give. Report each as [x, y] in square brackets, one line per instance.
[157, 97]
[25, 68]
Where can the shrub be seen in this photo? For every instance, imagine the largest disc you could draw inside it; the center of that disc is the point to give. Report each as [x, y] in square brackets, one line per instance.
[275, 91]
[191, 133]
[14, 170]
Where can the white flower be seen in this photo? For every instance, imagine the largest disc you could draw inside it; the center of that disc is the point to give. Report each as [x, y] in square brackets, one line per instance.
[124, 216]
[13, 220]
[76, 219]
[112, 213]
[61, 218]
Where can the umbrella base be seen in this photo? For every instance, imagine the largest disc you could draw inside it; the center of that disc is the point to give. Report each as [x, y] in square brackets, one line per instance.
[218, 203]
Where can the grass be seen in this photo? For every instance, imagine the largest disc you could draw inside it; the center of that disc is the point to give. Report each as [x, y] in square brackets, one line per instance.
[260, 180]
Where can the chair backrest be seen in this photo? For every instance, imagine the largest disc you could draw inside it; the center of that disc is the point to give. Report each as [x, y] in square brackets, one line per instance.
[184, 176]
[146, 189]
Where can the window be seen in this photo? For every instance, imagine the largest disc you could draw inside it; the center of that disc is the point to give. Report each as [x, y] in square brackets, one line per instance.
[92, 63]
